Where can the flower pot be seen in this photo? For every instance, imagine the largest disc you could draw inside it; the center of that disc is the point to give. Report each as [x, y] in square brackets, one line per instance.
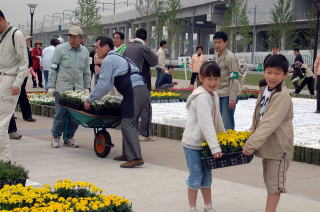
[52, 111]
[298, 153]
[309, 155]
[302, 154]
[4, 182]
[316, 156]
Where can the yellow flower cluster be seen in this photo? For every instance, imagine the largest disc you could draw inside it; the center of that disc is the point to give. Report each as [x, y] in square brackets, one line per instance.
[68, 184]
[163, 94]
[230, 141]
[29, 199]
[233, 138]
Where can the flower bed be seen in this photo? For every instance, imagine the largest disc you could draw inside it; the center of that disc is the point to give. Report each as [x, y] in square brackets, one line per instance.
[231, 143]
[65, 195]
[160, 96]
[41, 99]
[249, 93]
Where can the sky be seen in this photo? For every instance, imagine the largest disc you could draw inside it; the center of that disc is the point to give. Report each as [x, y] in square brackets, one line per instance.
[17, 12]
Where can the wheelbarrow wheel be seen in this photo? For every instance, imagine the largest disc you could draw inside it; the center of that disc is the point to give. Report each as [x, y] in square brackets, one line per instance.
[102, 144]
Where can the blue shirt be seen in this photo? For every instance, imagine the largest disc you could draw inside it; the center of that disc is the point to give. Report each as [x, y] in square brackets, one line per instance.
[113, 65]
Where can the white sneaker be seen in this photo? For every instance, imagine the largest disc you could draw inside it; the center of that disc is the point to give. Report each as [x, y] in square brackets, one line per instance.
[146, 138]
[209, 210]
[71, 143]
[55, 142]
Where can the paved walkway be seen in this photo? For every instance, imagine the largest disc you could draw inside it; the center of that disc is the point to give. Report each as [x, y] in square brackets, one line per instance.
[159, 185]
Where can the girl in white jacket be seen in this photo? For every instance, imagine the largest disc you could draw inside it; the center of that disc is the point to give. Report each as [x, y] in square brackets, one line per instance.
[203, 123]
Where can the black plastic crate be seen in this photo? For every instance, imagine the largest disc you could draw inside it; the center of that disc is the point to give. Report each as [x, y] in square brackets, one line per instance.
[77, 106]
[231, 159]
[11, 182]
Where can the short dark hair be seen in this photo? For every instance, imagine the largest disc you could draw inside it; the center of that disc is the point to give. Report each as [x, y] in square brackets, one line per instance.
[142, 34]
[54, 42]
[2, 15]
[170, 67]
[210, 69]
[199, 47]
[120, 34]
[105, 41]
[296, 49]
[220, 35]
[279, 61]
[163, 42]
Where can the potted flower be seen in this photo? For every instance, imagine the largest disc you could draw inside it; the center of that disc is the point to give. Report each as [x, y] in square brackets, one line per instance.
[12, 174]
[231, 143]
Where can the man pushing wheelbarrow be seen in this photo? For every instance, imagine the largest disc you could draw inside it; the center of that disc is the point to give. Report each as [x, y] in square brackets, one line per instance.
[123, 74]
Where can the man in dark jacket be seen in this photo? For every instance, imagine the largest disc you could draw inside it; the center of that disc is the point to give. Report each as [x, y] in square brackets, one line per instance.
[298, 56]
[275, 50]
[143, 57]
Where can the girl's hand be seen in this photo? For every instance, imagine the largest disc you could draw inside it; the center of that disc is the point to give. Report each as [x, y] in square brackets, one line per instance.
[217, 155]
[245, 152]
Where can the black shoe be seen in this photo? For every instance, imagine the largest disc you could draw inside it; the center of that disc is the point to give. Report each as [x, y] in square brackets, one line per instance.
[34, 86]
[41, 86]
[30, 119]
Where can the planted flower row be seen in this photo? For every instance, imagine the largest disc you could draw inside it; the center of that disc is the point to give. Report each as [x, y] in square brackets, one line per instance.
[65, 195]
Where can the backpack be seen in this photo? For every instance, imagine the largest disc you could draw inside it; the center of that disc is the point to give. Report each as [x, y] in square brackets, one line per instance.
[13, 42]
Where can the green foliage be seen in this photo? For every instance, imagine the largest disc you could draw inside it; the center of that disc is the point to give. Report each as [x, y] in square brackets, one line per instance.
[12, 172]
[88, 18]
[282, 24]
[165, 12]
[236, 23]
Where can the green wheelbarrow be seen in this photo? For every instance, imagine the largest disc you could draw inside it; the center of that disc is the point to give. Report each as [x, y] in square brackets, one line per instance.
[102, 139]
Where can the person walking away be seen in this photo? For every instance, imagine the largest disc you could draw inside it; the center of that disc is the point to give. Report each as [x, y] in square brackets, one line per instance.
[229, 88]
[122, 73]
[308, 80]
[317, 77]
[143, 58]
[203, 123]
[36, 56]
[47, 55]
[197, 60]
[13, 70]
[69, 71]
[272, 117]
[161, 54]
[165, 81]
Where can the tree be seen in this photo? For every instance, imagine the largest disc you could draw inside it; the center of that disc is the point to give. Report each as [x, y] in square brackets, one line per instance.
[165, 12]
[88, 18]
[236, 24]
[281, 29]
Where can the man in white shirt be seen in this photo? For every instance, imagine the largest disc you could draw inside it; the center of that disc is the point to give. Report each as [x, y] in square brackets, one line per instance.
[47, 55]
[13, 70]
[161, 53]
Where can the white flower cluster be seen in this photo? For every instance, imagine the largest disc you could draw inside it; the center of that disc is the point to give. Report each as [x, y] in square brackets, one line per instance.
[82, 95]
[40, 98]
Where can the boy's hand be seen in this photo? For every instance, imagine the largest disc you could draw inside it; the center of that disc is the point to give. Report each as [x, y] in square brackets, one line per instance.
[175, 83]
[217, 155]
[245, 152]
[232, 104]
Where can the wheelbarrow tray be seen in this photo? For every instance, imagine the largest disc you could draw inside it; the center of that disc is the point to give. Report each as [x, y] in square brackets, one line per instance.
[93, 121]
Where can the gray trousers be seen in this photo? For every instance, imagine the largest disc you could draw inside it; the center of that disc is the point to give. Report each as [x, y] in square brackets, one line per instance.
[145, 120]
[129, 127]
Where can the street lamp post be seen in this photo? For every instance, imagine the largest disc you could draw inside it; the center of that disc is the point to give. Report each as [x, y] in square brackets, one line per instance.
[32, 9]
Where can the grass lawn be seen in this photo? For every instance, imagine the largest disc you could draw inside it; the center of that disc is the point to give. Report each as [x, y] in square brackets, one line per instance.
[251, 79]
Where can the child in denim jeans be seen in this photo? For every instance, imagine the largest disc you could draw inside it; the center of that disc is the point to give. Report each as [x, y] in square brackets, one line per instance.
[203, 123]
